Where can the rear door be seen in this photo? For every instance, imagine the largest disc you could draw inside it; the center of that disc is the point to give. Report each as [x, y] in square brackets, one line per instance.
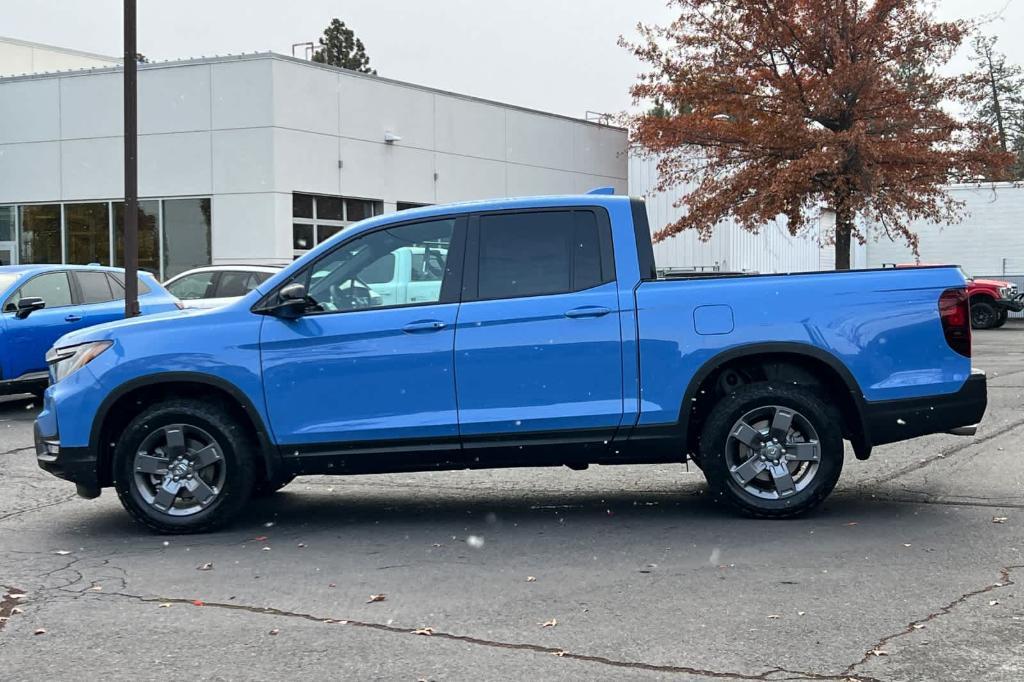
[31, 337]
[98, 301]
[538, 350]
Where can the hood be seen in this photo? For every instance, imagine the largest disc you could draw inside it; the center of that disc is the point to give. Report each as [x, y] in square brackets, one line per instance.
[111, 330]
[991, 283]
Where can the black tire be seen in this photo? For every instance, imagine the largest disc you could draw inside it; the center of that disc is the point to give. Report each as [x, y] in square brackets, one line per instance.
[234, 444]
[983, 315]
[1004, 315]
[716, 449]
[268, 488]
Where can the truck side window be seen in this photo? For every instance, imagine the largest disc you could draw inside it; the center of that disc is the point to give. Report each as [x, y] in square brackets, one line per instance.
[538, 253]
[373, 270]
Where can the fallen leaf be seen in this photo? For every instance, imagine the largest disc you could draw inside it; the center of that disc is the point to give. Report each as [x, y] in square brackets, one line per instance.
[549, 623]
[919, 626]
[62, 552]
[260, 538]
[198, 602]
[1000, 519]
[423, 631]
[165, 605]
[275, 631]
[906, 544]
[774, 617]
[266, 549]
[376, 597]
[331, 585]
[558, 653]
[851, 523]
[878, 652]
[96, 588]
[801, 613]
[530, 579]
[16, 596]
[39, 631]
[302, 545]
[208, 566]
[994, 602]
[15, 611]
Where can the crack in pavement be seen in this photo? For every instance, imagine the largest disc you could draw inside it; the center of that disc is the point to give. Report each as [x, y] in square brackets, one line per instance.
[769, 675]
[951, 451]
[17, 450]
[912, 626]
[11, 515]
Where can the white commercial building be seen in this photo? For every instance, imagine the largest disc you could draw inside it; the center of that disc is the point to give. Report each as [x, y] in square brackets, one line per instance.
[257, 158]
[20, 57]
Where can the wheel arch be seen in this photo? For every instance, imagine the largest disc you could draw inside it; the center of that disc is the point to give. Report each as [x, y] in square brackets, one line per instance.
[834, 376]
[127, 400]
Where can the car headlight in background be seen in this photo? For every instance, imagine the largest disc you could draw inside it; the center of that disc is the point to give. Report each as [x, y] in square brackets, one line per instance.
[64, 362]
[1006, 292]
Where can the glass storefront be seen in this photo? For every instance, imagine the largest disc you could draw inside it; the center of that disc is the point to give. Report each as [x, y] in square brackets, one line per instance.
[149, 235]
[40, 234]
[87, 227]
[186, 241]
[174, 234]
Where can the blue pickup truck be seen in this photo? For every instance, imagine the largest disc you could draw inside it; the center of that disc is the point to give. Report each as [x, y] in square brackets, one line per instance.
[537, 333]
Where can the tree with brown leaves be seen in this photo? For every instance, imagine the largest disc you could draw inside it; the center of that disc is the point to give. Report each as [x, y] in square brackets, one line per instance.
[782, 107]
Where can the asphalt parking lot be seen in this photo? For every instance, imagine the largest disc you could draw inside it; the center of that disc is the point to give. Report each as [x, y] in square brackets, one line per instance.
[913, 570]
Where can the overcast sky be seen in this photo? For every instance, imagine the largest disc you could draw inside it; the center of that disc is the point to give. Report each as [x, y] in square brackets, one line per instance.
[555, 55]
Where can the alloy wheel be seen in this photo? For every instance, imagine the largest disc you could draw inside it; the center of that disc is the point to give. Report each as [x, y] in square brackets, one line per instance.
[773, 452]
[179, 470]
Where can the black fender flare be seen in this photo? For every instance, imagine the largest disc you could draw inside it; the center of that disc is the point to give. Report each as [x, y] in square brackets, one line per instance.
[269, 454]
[861, 439]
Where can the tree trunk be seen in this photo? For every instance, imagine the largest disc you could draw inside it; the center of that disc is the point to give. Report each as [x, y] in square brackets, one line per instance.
[844, 230]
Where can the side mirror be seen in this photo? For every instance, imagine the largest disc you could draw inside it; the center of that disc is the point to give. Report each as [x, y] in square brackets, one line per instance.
[291, 301]
[27, 305]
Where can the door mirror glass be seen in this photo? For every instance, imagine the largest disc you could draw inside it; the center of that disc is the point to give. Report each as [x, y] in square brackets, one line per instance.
[27, 305]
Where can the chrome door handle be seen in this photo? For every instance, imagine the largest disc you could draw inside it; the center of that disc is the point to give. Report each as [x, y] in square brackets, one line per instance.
[424, 326]
[72, 318]
[587, 311]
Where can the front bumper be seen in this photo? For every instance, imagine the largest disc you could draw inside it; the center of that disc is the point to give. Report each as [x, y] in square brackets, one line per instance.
[890, 421]
[1014, 305]
[77, 465]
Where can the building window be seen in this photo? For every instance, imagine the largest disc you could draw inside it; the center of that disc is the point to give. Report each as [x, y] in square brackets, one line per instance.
[316, 218]
[406, 205]
[186, 238]
[8, 234]
[87, 229]
[40, 234]
[149, 235]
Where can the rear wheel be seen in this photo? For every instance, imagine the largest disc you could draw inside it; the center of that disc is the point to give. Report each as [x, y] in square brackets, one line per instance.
[184, 467]
[983, 315]
[771, 450]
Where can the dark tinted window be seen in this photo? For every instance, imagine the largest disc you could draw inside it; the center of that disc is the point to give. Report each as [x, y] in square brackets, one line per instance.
[119, 278]
[95, 287]
[116, 286]
[537, 253]
[234, 283]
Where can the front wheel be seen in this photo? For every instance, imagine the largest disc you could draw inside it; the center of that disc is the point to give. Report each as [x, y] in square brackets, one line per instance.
[184, 466]
[983, 315]
[1004, 315]
[772, 450]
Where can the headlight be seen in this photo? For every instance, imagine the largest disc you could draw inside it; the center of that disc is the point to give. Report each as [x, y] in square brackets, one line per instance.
[64, 362]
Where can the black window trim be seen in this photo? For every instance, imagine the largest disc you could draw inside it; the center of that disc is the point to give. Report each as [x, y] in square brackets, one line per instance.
[72, 290]
[471, 270]
[451, 285]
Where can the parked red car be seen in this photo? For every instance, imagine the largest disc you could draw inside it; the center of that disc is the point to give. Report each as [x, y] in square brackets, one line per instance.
[992, 300]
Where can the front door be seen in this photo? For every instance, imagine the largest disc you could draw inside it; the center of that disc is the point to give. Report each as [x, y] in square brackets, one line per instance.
[538, 349]
[359, 366]
[31, 337]
[8, 253]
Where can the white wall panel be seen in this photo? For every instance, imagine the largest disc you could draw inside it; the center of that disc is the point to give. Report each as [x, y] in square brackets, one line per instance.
[243, 94]
[29, 172]
[174, 99]
[461, 178]
[539, 140]
[175, 164]
[369, 108]
[305, 162]
[600, 150]
[245, 228]
[92, 168]
[469, 128]
[30, 111]
[525, 181]
[92, 105]
[243, 160]
[585, 183]
[305, 98]
[389, 173]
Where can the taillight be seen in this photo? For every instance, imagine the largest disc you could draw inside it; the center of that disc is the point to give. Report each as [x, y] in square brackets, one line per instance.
[955, 313]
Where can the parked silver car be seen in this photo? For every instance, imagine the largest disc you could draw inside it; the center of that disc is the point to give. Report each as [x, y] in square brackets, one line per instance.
[216, 285]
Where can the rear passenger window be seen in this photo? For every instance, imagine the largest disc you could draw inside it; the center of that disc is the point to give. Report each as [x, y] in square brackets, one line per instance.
[95, 287]
[235, 283]
[541, 252]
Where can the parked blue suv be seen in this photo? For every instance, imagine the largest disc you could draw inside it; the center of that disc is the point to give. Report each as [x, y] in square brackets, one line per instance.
[526, 332]
[41, 303]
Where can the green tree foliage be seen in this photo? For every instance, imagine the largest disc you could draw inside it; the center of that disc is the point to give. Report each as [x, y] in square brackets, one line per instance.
[995, 90]
[340, 47]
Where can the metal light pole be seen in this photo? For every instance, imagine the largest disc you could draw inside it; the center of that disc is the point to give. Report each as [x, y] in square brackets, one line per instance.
[131, 166]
